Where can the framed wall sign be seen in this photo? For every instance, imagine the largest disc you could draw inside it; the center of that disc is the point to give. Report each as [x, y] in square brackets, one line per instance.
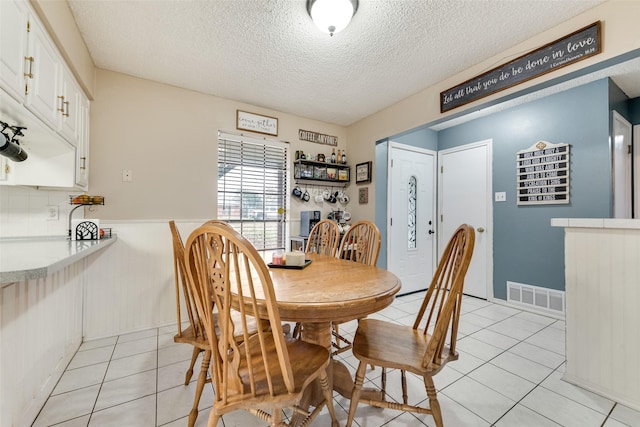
[256, 123]
[363, 173]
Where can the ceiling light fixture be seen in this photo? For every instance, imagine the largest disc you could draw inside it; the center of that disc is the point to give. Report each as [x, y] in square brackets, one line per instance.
[332, 16]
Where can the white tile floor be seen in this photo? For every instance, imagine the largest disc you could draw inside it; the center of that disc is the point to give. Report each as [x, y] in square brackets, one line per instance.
[509, 374]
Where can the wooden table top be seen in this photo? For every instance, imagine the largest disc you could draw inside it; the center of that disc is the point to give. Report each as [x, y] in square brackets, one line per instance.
[332, 289]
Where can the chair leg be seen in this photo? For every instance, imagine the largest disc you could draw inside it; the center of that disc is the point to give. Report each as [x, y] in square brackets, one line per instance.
[328, 396]
[433, 401]
[202, 379]
[297, 331]
[194, 356]
[355, 394]
[213, 419]
[403, 375]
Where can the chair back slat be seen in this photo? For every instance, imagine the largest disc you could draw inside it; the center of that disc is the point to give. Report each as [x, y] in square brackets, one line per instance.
[226, 269]
[324, 238]
[444, 297]
[182, 287]
[361, 243]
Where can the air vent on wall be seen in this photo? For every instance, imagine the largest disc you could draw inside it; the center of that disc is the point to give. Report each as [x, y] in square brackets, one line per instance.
[536, 298]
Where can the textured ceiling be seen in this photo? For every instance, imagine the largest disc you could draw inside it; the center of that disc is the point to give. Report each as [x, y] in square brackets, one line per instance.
[269, 53]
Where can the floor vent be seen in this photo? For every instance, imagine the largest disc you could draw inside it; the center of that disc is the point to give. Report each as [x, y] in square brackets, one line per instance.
[536, 298]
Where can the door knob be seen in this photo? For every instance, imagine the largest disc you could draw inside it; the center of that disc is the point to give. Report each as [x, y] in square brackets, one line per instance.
[480, 229]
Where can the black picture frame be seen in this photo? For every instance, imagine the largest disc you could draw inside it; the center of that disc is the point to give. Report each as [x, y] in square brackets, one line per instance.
[363, 173]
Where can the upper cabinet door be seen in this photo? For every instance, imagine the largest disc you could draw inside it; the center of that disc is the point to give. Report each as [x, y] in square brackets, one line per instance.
[13, 48]
[71, 108]
[44, 97]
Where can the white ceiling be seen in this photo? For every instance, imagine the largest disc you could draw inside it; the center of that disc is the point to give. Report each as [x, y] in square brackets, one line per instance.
[269, 53]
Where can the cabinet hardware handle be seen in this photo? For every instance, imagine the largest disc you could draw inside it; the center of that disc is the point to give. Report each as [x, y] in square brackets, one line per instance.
[30, 60]
[84, 165]
[61, 109]
[66, 109]
[480, 229]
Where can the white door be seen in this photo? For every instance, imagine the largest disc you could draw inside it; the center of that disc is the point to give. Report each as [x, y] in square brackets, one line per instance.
[621, 146]
[411, 232]
[465, 197]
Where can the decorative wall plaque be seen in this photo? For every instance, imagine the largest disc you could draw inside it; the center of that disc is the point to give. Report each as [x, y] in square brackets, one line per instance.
[318, 138]
[543, 174]
[569, 49]
[256, 123]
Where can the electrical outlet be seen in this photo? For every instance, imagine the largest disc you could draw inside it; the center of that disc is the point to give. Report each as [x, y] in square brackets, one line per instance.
[127, 175]
[501, 196]
[53, 213]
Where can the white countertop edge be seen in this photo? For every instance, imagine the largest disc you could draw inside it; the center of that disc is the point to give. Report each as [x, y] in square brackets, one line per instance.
[624, 223]
[7, 277]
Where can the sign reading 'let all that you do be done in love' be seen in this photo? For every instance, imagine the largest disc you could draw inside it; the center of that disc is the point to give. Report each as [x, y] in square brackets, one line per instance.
[557, 54]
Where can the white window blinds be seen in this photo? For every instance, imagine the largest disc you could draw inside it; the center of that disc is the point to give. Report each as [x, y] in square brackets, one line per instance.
[252, 188]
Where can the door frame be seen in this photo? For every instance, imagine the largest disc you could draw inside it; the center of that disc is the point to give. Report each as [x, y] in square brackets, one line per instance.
[401, 146]
[489, 207]
[618, 122]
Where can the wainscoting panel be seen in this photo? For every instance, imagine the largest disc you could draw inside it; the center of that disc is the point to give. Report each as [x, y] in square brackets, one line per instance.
[130, 285]
[40, 331]
[602, 267]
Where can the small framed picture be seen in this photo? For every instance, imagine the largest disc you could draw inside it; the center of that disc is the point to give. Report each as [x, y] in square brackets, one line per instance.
[363, 173]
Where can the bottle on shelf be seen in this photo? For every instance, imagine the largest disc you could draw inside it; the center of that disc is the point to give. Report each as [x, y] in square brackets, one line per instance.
[344, 157]
[333, 155]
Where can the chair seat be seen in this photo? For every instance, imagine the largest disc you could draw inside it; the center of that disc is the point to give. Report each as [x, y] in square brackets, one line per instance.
[188, 336]
[381, 343]
[306, 360]
[198, 340]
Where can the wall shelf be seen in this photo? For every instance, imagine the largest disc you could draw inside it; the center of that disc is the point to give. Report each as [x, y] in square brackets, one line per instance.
[309, 170]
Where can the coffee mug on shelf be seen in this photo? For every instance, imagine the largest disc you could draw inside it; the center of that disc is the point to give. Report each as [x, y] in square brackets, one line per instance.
[344, 199]
[297, 191]
[305, 196]
[326, 194]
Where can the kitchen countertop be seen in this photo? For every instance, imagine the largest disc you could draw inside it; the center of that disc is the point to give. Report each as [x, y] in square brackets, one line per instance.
[624, 223]
[26, 258]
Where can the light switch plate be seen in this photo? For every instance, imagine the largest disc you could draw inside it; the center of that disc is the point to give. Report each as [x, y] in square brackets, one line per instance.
[501, 196]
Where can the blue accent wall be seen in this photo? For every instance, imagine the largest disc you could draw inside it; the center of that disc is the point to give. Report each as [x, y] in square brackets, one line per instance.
[382, 151]
[634, 111]
[526, 248]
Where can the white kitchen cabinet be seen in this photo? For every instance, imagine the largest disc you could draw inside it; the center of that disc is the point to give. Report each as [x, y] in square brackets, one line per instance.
[38, 91]
[69, 117]
[44, 93]
[82, 148]
[13, 47]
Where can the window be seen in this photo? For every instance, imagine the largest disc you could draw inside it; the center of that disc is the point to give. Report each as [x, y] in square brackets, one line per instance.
[412, 213]
[252, 188]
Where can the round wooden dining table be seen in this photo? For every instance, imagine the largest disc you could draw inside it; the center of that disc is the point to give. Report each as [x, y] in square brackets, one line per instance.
[327, 290]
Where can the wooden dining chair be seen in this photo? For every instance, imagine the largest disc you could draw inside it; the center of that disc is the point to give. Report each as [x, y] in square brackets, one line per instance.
[193, 332]
[266, 372]
[414, 348]
[361, 243]
[323, 239]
